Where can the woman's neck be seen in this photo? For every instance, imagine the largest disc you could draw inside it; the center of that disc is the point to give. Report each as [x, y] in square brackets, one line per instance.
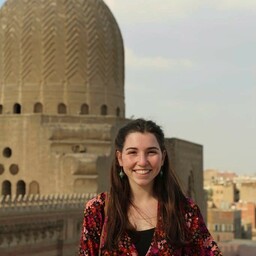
[141, 194]
[142, 212]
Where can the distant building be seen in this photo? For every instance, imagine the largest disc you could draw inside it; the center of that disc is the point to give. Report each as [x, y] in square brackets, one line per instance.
[229, 194]
[248, 210]
[224, 225]
[187, 162]
[248, 191]
[224, 195]
[212, 176]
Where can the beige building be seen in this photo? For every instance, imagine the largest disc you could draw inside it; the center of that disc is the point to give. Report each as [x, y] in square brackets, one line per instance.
[61, 103]
[224, 195]
[61, 95]
[248, 191]
[248, 210]
[224, 225]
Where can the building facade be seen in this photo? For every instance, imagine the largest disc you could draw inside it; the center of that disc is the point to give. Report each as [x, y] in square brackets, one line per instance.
[61, 94]
[224, 225]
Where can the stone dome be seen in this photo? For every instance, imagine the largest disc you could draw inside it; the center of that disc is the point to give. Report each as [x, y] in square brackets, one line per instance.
[60, 57]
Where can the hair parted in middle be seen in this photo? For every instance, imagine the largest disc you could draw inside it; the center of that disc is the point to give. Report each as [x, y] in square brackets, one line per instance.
[166, 189]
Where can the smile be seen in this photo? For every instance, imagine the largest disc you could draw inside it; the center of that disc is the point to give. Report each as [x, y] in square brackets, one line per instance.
[142, 171]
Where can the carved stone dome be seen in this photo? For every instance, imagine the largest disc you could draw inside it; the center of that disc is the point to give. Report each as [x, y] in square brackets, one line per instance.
[60, 57]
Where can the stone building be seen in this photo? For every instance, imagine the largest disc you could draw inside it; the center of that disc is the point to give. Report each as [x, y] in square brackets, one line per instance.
[248, 191]
[224, 195]
[248, 210]
[224, 225]
[61, 95]
[61, 103]
[187, 162]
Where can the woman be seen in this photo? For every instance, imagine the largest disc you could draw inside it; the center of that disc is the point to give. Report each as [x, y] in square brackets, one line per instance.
[146, 212]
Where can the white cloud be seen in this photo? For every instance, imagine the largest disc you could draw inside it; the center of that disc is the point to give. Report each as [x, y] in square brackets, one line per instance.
[190, 65]
[234, 4]
[134, 11]
[158, 62]
[153, 10]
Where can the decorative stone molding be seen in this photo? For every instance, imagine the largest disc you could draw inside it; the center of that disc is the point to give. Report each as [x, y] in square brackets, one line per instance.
[42, 203]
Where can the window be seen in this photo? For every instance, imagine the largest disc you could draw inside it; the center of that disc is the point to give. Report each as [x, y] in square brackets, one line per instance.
[1, 109]
[118, 112]
[84, 109]
[7, 152]
[104, 110]
[21, 188]
[62, 109]
[34, 188]
[14, 169]
[38, 108]
[6, 188]
[1, 169]
[16, 108]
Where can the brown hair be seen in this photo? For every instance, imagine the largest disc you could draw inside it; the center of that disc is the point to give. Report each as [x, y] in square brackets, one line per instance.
[166, 189]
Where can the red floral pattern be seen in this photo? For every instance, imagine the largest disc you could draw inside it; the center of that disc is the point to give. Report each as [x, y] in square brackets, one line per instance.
[202, 242]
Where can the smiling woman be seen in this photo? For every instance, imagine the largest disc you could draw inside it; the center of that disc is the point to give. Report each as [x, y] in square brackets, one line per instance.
[145, 212]
[141, 159]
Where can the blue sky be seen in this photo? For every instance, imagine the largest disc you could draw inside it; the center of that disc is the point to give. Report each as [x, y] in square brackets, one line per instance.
[191, 67]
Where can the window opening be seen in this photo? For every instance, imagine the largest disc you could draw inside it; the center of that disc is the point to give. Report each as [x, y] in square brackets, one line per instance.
[104, 110]
[16, 108]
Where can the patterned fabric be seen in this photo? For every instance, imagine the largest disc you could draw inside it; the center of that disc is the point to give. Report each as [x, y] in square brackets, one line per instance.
[202, 242]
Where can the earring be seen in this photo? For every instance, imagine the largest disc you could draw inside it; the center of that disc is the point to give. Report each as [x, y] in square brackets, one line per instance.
[121, 173]
[161, 173]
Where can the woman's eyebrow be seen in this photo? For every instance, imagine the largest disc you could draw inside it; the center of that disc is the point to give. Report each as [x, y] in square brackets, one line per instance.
[149, 148]
[153, 148]
[133, 148]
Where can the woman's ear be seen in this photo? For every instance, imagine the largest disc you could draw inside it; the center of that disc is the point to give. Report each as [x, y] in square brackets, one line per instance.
[119, 157]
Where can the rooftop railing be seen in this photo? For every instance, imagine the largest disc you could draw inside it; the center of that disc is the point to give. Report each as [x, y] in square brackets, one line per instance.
[42, 203]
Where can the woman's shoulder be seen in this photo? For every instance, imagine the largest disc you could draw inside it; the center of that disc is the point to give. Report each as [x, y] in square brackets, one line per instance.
[190, 205]
[97, 201]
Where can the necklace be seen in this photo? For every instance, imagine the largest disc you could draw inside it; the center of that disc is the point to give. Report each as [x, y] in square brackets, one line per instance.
[142, 220]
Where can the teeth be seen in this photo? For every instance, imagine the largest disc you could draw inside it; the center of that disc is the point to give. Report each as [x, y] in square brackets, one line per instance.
[142, 171]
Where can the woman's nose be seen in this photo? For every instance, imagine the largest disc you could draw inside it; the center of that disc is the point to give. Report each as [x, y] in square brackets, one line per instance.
[142, 159]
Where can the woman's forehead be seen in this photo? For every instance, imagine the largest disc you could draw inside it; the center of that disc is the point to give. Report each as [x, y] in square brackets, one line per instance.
[138, 139]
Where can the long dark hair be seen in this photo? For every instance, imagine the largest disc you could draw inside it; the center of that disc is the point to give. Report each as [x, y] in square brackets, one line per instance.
[166, 189]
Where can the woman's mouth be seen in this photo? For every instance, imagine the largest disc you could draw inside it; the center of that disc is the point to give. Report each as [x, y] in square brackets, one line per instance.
[142, 171]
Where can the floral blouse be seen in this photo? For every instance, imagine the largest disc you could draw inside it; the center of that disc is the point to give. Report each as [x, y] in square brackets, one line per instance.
[202, 244]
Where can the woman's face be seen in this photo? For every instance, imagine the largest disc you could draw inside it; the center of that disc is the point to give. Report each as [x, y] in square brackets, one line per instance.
[141, 158]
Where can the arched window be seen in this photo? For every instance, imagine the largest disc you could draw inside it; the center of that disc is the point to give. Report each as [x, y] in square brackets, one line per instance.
[33, 188]
[21, 188]
[62, 109]
[38, 108]
[84, 109]
[16, 108]
[1, 109]
[6, 188]
[118, 112]
[104, 110]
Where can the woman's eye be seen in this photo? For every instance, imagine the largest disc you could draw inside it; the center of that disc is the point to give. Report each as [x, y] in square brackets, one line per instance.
[152, 152]
[132, 152]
